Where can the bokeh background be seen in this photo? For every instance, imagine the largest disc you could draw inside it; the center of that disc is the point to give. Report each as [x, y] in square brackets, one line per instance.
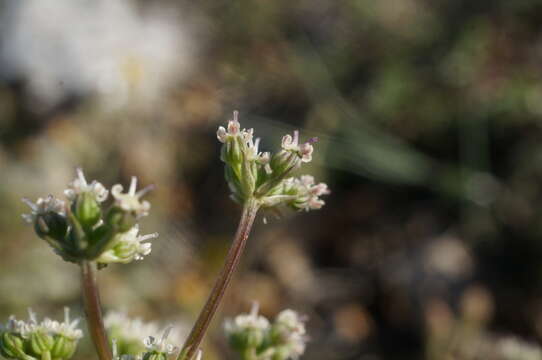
[428, 114]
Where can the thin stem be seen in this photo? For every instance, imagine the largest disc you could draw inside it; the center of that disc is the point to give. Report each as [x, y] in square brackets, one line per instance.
[193, 342]
[93, 310]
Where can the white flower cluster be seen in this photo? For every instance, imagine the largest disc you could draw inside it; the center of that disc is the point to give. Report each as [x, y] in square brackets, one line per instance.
[283, 339]
[247, 322]
[161, 345]
[128, 246]
[131, 201]
[79, 185]
[304, 150]
[307, 192]
[134, 336]
[86, 217]
[260, 176]
[294, 335]
[68, 328]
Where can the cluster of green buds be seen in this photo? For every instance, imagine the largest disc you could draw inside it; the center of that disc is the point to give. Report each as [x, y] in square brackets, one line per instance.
[45, 340]
[82, 228]
[253, 337]
[266, 178]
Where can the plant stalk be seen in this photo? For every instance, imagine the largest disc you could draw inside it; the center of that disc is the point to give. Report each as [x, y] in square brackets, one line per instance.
[93, 310]
[193, 341]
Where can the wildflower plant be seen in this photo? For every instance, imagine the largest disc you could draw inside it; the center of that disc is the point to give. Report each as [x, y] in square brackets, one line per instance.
[91, 231]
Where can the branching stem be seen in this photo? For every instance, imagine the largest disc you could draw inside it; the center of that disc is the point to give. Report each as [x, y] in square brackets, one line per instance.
[193, 342]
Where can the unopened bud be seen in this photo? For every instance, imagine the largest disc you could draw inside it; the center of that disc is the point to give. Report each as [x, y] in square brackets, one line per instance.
[51, 224]
[87, 209]
[12, 346]
[40, 343]
[63, 347]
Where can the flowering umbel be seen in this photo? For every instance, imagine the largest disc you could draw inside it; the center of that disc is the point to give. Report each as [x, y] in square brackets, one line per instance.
[48, 339]
[266, 178]
[131, 336]
[254, 337]
[83, 228]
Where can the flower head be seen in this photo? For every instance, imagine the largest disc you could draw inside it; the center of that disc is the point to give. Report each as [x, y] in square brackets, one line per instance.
[247, 330]
[43, 206]
[304, 193]
[290, 334]
[79, 185]
[233, 130]
[161, 345]
[304, 150]
[250, 321]
[128, 246]
[131, 201]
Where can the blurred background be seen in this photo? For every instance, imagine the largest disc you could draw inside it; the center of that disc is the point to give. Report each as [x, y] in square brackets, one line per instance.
[428, 115]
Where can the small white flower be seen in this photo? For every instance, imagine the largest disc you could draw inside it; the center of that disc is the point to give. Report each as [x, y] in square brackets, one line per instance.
[234, 130]
[161, 345]
[128, 246]
[304, 150]
[251, 321]
[43, 206]
[80, 185]
[67, 328]
[293, 332]
[131, 200]
[307, 193]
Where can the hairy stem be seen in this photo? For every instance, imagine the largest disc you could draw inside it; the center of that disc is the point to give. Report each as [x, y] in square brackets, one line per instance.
[93, 310]
[193, 342]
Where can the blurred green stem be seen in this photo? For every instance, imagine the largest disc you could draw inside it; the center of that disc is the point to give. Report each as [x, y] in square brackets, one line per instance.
[193, 342]
[93, 310]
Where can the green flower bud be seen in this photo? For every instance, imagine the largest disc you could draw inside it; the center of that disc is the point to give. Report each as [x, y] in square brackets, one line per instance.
[154, 355]
[40, 343]
[48, 217]
[12, 346]
[87, 209]
[51, 224]
[63, 347]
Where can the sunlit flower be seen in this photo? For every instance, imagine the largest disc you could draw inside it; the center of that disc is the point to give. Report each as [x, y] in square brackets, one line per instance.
[131, 201]
[128, 246]
[80, 185]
